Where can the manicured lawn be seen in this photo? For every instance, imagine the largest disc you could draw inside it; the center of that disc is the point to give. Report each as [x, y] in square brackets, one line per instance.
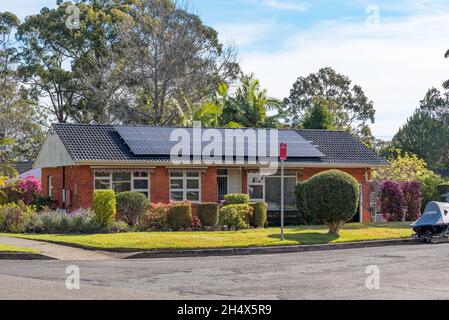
[8, 248]
[245, 238]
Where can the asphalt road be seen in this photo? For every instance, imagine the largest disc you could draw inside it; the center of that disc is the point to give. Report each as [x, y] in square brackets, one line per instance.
[406, 272]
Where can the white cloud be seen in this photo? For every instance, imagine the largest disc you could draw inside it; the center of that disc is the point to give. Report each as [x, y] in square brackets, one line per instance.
[395, 63]
[243, 34]
[285, 5]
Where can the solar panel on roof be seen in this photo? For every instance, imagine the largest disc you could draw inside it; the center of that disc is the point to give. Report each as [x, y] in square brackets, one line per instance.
[156, 141]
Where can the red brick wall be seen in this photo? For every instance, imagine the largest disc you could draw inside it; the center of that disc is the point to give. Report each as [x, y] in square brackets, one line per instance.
[209, 185]
[160, 187]
[79, 180]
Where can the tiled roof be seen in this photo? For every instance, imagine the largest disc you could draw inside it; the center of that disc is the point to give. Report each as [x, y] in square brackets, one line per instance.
[24, 166]
[340, 147]
[103, 143]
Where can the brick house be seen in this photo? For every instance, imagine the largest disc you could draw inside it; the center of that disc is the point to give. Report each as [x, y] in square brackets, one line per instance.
[78, 159]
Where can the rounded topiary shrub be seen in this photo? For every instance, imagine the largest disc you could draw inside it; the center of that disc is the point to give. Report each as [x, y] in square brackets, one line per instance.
[304, 216]
[208, 213]
[236, 198]
[131, 207]
[333, 197]
[104, 207]
[179, 215]
[259, 217]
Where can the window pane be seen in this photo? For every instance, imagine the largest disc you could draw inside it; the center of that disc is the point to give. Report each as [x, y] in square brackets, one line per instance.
[141, 184]
[121, 187]
[255, 178]
[256, 192]
[193, 196]
[177, 196]
[140, 174]
[193, 174]
[193, 184]
[121, 176]
[176, 184]
[222, 187]
[222, 172]
[273, 192]
[102, 174]
[101, 184]
[176, 174]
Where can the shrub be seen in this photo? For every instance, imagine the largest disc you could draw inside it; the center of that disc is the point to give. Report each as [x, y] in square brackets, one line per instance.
[304, 216]
[180, 215]
[332, 196]
[236, 199]
[131, 206]
[392, 201]
[79, 221]
[155, 217]
[43, 202]
[3, 198]
[13, 216]
[413, 200]
[104, 206]
[259, 217]
[208, 213]
[236, 215]
[26, 190]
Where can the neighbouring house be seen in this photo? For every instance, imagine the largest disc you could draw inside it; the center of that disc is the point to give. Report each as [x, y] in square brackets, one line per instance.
[78, 159]
[25, 170]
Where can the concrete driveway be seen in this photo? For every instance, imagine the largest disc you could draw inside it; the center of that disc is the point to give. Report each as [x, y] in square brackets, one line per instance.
[406, 272]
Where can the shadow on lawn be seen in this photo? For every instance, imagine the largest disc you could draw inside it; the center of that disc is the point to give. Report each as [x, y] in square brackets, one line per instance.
[307, 237]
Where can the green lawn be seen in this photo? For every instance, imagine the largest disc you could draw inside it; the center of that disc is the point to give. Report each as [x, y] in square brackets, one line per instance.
[8, 248]
[245, 238]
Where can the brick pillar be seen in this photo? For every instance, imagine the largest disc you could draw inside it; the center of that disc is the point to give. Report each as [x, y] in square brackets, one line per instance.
[160, 187]
[209, 185]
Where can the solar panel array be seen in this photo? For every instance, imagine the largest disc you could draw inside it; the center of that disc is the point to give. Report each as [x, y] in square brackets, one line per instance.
[144, 140]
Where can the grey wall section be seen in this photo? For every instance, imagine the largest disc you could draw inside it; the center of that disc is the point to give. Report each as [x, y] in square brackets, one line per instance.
[53, 153]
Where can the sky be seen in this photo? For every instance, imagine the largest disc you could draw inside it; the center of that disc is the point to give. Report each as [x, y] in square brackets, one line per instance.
[394, 49]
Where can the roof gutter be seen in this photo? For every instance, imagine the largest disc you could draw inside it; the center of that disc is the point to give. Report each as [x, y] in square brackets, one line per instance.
[152, 164]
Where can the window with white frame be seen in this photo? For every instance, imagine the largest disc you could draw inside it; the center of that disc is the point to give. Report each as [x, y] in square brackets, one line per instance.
[50, 187]
[185, 186]
[137, 181]
[268, 188]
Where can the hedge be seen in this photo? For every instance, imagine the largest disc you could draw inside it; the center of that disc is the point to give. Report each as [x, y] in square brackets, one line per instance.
[208, 213]
[180, 215]
[259, 217]
[236, 198]
[236, 215]
[104, 207]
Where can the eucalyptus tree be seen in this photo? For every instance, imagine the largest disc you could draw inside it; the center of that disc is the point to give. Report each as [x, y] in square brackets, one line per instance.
[349, 106]
[174, 57]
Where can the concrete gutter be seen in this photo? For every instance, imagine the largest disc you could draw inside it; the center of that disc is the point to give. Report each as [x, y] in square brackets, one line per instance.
[23, 256]
[268, 250]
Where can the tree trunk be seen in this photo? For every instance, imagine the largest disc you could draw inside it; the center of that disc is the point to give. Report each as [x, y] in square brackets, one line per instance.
[334, 228]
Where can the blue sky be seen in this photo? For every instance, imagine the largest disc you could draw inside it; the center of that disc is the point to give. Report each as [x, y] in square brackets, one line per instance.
[392, 48]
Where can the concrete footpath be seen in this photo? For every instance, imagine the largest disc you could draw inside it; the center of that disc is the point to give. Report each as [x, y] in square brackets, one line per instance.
[61, 252]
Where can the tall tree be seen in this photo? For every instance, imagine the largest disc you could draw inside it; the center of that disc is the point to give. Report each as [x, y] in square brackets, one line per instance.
[174, 58]
[425, 136]
[20, 124]
[318, 116]
[350, 108]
